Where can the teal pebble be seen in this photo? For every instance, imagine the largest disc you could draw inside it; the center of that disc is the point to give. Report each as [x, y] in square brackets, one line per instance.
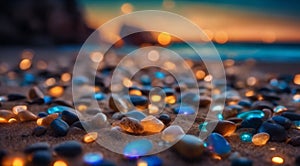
[137, 148]
[246, 137]
[251, 114]
[136, 115]
[57, 109]
[186, 110]
[217, 144]
[99, 96]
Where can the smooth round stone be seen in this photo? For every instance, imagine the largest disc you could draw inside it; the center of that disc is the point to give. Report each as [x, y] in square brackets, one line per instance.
[186, 110]
[165, 118]
[39, 131]
[137, 148]
[259, 105]
[276, 131]
[172, 133]
[130, 125]
[145, 80]
[291, 116]
[35, 93]
[152, 125]
[99, 96]
[37, 147]
[242, 161]
[254, 123]
[58, 109]
[118, 104]
[69, 117]
[136, 115]
[25, 116]
[223, 127]
[295, 141]
[150, 161]
[68, 149]
[41, 158]
[217, 144]
[59, 127]
[93, 159]
[99, 120]
[245, 103]
[260, 139]
[189, 147]
[139, 101]
[283, 121]
[280, 109]
[204, 101]
[246, 137]
[251, 114]
[227, 112]
[6, 114]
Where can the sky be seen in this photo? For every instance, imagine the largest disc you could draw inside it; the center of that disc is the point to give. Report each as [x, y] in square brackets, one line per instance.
[259, 21]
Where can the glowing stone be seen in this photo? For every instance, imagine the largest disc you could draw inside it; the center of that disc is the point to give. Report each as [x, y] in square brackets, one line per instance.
[218, 144]
[137, 148]
[57, 109]
[260, 139]
[277, 160]
[251, 114]
[130, 125]
[99, 96]
[60, 163]
[25, 116]
[187, 110]
[150, 161]
[93, 159]
[279, 109]
[56, 91]
[246, 137]
[90, 137]
[19, 108]
[152, 125]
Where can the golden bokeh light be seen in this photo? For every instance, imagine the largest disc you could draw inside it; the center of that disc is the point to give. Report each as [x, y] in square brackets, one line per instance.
[200, 74]
[90, 137]
[56, 91]
[96, 56]
[127, 82]
[127, 8]
[164, 38]
[277, 160]
[60, 163]
[65, 77]
[155, 98]
[25, 64]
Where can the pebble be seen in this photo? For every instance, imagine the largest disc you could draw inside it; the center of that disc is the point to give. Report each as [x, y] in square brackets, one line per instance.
[79, 124]
[295, 141]
[165, 118]
[118, 116]
[152, 125]
[186, 110]
[218, 144]
[260, 139]
[69, 117]
[223, 127]
[58, 109]
[245, 103]
[150, 161]
[40, 146]
[46, 121]
[99, 96]
[291, 116]
[14, 97]
[35, 93]
[18, 108]
[93, 159]
[130, 125]
[137, 148]
[276, 131]
[172, 133]
[283, 121]
[205, 101]
[259, 105]
[107, 163]
[118, 104]
[251, 114]
[39, 131]
[268, 113]
[246, 137]
[279, 109]
[99, 120]
[42, 114]
[6, 115]
[25, 116]
[189, 147]
[41, 158]
[241, 161]
[68, 149]
[90, 137]
[145, 80]
[254, 123]
[139, 101]
[59, 127]
[136, 115]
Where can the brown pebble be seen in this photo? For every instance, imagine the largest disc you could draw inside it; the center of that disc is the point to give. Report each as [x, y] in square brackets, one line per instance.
[295, 141]
[130, 125]
[204, 101]
[235, 120]
[35, 93]
[225, 128]
[6, 115]
[46, 121]
[25, 116]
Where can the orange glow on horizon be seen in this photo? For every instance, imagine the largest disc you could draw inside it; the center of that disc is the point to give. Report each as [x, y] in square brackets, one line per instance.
[164, 38]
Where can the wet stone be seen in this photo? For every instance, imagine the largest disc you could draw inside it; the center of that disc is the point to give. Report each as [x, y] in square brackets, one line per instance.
[277, 132]
[69, 117]
[260, 139]
[295, 141]
[165, 118]
[137, 148]
[189, 147]
[59, 127]
[93, 159]
[218, 144]
[251, 114]
[283, 121]
[254, 123]
[279, 109]
[37, 147]
[241, 161]
[152, 125]
[41, 158]
[6, 114]
[39, 131]
[25, 116]
[46, 121]
[136, 115]
[68, 149]
[291, 116]
[172, 133]
[150, 161]
[186, 110]
[130, 125]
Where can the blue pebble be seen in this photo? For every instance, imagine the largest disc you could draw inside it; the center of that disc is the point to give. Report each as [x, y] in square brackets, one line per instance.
[136, 115]
[57, 109]
[41, 158]
[93, 159]
[47, 99]
[241, 162]
[187, 110]
[37, 147]
[137, 148]
[276, 131]
[59, 127]
[99, 96]
[151, 161]
[69, 117]
[68, 149]
[283, 121]
[251, 114]
[145, 80]
[80, 80]
[159, 75]
[218, 144]
[251, 123]
[42, 114]
[246, 137]
[29, 78]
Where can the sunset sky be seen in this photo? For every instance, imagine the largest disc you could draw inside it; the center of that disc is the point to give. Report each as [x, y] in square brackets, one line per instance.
[268, 21]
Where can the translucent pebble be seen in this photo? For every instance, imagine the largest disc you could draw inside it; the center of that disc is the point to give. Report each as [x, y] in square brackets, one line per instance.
[46, 121]
[279, 109]
[130, 125]
[99, 120]
[25, 116]
[93, 159]
[246, 137]
[90, 137]
[152, 125]
[137, 148]
[251, 114]
[172, 134]
[170, 99]
[5, 115]
[260, 139]
[218, 144]
[19, 108]
[277, 160]
[58, 109]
